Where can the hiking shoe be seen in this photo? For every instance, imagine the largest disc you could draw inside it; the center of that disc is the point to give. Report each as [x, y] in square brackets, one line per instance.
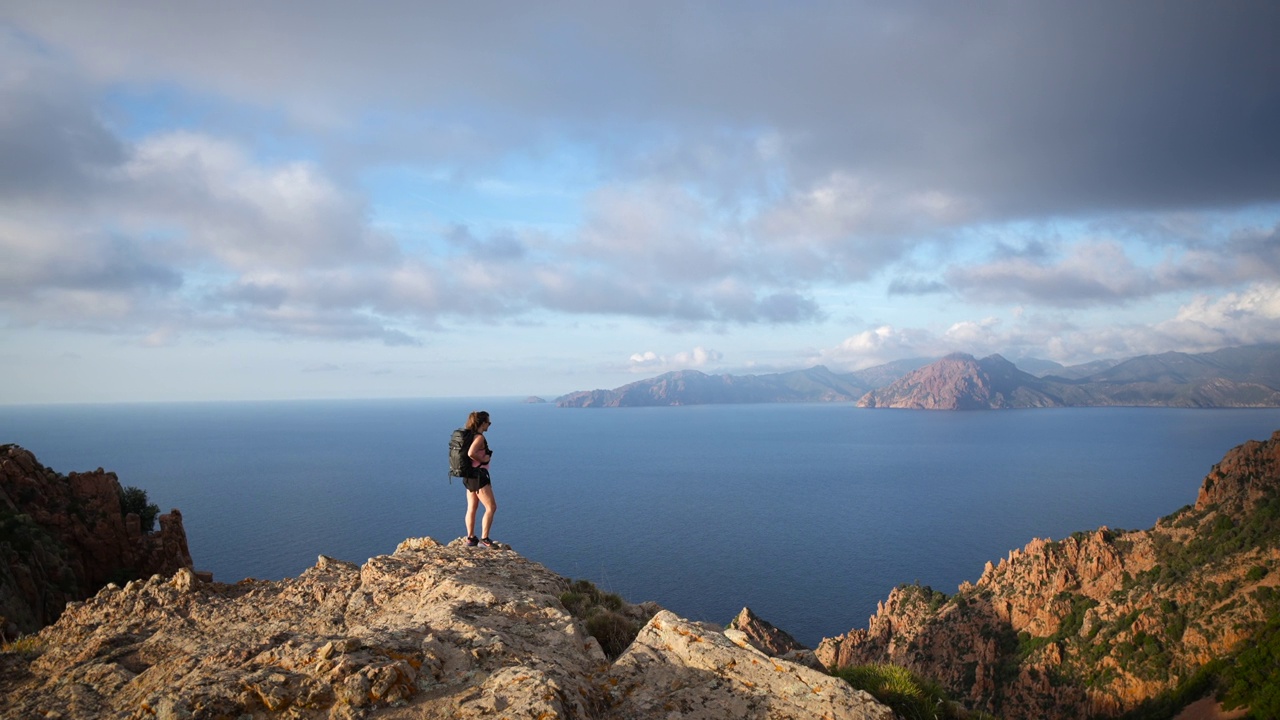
[488, 543]
[472, 541]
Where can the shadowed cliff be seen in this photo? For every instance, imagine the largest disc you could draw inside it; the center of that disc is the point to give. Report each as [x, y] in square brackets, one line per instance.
[62, 537]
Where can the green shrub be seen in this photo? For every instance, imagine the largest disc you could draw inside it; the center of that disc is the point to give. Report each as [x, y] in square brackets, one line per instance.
[602, 615]
[1253, 680]
[909, 696]
[1256, 573]
[614, 632]
[134, 500]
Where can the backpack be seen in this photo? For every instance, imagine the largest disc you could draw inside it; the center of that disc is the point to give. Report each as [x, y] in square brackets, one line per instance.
[459, 460]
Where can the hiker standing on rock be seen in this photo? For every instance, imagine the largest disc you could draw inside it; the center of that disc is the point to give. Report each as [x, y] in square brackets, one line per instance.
[479, 487]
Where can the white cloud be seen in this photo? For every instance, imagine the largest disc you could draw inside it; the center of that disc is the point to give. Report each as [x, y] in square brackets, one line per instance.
[1238, 318]
[875, 347]
[247, 214]
[851, 226]
[974, 334]
[652, 362]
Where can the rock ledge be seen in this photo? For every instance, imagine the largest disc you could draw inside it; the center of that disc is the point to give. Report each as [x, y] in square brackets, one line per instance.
[430, 631]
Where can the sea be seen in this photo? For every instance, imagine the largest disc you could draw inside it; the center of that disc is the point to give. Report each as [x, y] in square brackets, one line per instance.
[809, 514]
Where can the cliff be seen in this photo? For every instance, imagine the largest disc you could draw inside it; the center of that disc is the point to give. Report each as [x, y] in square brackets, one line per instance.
[62, 537]
[430, 631]
[1101, 622]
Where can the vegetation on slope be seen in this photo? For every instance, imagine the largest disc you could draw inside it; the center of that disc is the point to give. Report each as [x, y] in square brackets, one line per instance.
[604, 615]
[910, 696]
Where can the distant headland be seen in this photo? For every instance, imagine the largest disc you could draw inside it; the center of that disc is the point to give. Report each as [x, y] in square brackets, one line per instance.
[1237, 377]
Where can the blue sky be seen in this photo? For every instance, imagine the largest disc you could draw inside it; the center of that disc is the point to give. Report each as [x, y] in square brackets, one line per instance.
[213, 201]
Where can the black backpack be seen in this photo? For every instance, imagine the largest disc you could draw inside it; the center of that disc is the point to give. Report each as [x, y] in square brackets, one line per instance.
[459, 460]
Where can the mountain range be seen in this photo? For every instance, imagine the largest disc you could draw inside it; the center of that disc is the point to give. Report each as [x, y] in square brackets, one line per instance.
[1247, 376]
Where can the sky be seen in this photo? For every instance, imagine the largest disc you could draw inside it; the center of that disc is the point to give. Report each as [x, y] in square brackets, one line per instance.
[285, 200]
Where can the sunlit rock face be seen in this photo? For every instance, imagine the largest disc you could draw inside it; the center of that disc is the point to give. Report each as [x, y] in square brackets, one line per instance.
[1096, 623]
[429, 631]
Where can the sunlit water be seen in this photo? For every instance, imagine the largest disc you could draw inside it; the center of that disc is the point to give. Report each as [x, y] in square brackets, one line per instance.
[809, 514]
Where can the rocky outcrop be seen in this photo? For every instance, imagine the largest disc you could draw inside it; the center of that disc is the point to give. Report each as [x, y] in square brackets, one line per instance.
[750, 629]
[959, 382]
[430, 631]
[62, 537]
[1097, 623]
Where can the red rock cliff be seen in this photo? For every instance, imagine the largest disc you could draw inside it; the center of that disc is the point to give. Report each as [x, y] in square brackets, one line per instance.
[1100, 622]
[62, 538]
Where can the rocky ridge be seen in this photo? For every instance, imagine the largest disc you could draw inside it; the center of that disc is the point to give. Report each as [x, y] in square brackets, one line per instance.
[1100, 622]
[430, 631]
[62, 537]
[959, 382]
[1246, 376]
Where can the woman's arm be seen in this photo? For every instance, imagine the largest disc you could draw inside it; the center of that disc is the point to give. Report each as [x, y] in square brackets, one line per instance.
[479, 450]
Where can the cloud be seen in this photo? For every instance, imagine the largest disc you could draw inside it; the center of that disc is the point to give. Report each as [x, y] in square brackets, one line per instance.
[876, 347]
[1203, 324]
[52, 143]
[245, 213]
[649, 362]
[926, 98]
[1105, 271]
[916, 286]
[1243, 318]
[176, 165]
[1089, 273]
[850, 227]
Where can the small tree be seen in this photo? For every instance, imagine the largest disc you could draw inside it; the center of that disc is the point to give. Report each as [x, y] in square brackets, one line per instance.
[134, 500]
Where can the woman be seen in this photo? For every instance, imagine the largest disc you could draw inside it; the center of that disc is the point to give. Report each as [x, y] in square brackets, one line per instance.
[479, 488]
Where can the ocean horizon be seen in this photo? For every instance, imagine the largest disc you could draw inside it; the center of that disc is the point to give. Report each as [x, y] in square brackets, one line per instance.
[809, 514]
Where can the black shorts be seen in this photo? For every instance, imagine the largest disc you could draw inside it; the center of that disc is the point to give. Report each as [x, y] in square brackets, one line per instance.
[480, 480]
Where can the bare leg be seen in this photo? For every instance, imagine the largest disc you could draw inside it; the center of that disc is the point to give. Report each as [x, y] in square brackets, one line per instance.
[490, 507]
[473, 502]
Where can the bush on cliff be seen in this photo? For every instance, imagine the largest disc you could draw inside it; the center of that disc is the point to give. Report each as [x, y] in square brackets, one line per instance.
[134, 500]
[1250, 678]
[909, 696]
[603, 615]
[1253, 680]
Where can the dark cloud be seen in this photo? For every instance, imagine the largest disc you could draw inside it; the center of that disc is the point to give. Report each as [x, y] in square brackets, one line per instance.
[1018, 107]
[1259, 249]
[51, 142]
